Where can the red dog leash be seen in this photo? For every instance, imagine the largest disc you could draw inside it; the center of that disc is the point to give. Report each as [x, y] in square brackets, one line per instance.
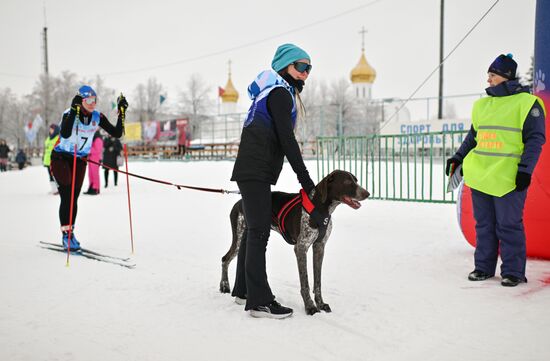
[178, 186]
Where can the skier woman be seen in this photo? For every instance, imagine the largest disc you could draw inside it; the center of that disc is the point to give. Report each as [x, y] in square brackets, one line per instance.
[267, 137]
[78, 125]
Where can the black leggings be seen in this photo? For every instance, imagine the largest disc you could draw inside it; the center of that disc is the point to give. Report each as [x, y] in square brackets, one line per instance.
[62, 170]
[251, 278]
[115, 175]
[49, 172]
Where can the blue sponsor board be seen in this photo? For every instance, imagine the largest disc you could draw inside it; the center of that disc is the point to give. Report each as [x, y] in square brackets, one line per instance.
[417, 133]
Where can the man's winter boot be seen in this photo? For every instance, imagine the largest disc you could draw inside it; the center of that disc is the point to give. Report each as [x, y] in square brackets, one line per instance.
[512, 281]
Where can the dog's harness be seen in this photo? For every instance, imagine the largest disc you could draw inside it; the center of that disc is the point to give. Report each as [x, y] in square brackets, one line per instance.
[303, 199]
[281, 217]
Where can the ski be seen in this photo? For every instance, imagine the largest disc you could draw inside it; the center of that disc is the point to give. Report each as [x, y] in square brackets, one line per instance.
[93, 256]
[85, 250]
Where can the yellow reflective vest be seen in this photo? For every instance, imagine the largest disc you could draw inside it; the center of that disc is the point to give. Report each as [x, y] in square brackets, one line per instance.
[48, 147]
[491, 167]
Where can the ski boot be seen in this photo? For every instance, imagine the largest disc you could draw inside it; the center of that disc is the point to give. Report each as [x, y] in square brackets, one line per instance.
[75, 245]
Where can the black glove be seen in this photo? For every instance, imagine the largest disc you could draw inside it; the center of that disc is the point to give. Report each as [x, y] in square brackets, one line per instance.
[77, 102]
[122, 103]
[319, 219]
[522, 181]
[452, 161]
[308, 186]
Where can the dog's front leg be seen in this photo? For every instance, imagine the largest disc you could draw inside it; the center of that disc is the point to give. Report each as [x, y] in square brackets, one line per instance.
[301, 257]
[318, 254]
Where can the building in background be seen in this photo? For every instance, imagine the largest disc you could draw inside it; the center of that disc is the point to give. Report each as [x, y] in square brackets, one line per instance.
[229, 96]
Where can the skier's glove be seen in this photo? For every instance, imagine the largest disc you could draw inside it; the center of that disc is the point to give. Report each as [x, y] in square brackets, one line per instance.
[77, 102]
[317, 219]
[452, 163]
[122, 103]
[522, 181]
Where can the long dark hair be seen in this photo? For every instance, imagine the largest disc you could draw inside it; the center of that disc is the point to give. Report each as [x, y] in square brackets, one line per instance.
[302, 108]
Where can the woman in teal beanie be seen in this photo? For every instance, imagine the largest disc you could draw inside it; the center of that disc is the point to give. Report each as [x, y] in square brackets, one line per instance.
[268, 137]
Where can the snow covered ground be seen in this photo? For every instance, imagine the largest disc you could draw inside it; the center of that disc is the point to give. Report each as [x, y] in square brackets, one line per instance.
[394, 276]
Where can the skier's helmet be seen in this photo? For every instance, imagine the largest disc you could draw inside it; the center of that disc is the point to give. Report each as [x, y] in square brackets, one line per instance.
[86, 91]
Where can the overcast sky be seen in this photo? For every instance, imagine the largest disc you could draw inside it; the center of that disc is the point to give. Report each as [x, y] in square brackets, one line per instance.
[117, 38]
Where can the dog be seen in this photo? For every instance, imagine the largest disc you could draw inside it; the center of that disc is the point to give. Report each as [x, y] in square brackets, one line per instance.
[298, 229]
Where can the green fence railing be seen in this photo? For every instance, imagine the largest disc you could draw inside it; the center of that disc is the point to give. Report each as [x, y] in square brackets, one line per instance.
[403, 167]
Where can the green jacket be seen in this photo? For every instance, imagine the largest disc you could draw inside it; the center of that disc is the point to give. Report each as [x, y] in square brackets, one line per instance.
[48, 147]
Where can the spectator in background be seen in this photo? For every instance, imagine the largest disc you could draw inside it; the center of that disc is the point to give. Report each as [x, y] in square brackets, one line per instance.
[111, 154]
[182, 139]
[49, 143]
[93, 169]
[4, 150]
[21, 159]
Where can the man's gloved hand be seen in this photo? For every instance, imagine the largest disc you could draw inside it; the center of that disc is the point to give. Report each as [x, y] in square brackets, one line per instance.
[122, 103]
[452, 162]
[319, 219]
[522, 181]
[77, 102]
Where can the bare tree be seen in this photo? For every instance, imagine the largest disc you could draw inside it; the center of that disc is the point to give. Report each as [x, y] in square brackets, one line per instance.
[14, 114]
[106, 96]
[194, 100]
[147, 99]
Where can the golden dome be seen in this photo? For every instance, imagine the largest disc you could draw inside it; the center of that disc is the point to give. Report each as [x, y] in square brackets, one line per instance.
[363, 72]
[230, 94]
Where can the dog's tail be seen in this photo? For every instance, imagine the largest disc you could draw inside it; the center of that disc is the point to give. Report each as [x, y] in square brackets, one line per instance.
[235, 241]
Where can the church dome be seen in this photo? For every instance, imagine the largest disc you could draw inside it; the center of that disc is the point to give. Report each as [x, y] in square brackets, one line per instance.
[363, 72]
[230, 94]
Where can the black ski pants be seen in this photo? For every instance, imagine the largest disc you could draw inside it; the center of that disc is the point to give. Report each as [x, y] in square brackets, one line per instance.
[251, 279]
[62, 170]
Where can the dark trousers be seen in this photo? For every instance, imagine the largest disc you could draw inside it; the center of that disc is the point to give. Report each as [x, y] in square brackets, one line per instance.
[62, 170]
[181, 149]
[251, 278]
[49, 172]
[499, 222]
[106, 174]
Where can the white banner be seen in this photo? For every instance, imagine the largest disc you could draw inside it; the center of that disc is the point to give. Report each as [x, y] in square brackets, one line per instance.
[31, 129]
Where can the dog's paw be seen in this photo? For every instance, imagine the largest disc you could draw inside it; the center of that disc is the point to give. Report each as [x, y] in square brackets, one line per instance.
[224, 287]
[324, 307]
[311, 310]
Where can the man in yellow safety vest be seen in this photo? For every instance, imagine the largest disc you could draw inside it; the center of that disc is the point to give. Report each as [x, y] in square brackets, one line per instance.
[498, 157]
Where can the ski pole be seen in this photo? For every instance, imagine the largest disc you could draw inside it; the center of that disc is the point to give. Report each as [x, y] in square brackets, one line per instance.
[72, 198]
[128, 188]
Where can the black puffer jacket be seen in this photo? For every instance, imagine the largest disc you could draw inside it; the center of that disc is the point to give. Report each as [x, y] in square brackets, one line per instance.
[4, 150]
[265, 144]
[111, 149]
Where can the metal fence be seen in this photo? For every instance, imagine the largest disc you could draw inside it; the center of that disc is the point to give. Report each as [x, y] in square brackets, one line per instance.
[405, 167]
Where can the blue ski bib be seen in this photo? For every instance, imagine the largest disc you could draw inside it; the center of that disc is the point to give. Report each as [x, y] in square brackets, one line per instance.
[82, 135]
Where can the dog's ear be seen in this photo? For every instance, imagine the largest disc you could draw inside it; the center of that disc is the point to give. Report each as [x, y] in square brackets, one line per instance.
[322, 188]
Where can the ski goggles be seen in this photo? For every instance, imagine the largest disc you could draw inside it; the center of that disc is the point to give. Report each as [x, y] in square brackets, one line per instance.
[90, 100]
[302, 67]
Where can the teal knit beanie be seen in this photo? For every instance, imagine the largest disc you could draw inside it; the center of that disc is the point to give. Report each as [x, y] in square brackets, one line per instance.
[287, 54]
